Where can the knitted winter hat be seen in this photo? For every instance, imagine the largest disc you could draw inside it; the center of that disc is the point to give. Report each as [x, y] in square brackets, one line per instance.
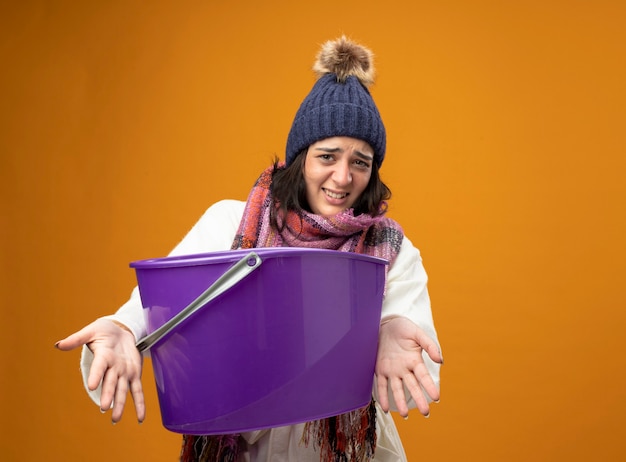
[340, 103]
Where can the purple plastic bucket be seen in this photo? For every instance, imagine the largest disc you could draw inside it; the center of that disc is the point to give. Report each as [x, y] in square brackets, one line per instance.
[293, 341]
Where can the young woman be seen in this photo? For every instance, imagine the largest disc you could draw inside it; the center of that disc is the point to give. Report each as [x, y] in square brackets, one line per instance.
[326, 194]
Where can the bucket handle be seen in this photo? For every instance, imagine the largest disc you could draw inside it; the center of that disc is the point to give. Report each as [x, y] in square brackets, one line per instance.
[230, 277]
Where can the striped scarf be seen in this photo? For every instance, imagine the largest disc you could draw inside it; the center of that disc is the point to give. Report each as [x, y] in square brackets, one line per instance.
[349, 437]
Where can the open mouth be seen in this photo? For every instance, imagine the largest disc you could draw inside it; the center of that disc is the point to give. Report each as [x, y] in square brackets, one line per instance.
[334, 195]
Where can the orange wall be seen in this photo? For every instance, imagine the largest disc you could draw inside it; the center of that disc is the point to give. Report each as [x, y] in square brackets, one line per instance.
[121, 121]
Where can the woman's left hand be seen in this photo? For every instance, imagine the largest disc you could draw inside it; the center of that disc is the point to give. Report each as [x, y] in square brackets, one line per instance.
[400, 364]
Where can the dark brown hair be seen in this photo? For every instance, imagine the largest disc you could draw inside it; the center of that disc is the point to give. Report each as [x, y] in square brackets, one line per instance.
[289, 190]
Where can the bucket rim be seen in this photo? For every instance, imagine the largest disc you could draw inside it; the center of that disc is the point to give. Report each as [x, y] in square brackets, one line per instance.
[225, 256]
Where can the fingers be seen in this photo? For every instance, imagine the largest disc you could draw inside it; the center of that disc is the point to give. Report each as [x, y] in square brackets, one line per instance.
[77, 339]
[121, 391]
[136, 391]
[419, 385]
[114, 393]
[109, 389]
[400, 367]
[115, 367]
[397, 390]
[426, 383]
[419, 389]
[383, 397]
[99, 367]
[413, 386]
[429, 346]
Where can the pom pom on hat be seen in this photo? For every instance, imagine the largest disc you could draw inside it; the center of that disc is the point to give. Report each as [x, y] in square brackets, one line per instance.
[340, 103]
[345, 58]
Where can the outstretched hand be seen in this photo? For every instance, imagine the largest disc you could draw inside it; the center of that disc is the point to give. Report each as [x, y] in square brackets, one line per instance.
[117, 365]
[400, 364]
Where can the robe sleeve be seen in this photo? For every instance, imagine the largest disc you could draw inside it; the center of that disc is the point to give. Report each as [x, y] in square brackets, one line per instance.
[214, 231]
[407, 295]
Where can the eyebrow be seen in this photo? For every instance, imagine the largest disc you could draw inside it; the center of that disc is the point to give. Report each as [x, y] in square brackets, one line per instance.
[358, 153]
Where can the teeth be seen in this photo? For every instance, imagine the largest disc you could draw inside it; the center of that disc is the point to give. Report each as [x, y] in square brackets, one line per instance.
[335, 195]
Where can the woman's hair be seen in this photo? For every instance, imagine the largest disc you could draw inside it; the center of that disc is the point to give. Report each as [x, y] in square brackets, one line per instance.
[289, 191]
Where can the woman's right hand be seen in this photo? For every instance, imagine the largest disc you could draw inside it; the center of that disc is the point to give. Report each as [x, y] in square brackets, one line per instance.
[117, 364]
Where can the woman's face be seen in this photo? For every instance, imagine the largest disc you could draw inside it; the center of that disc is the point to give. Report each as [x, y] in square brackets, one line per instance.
[336, 172]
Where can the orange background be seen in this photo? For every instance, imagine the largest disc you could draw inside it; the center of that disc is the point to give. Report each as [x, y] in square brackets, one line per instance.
[121, 122]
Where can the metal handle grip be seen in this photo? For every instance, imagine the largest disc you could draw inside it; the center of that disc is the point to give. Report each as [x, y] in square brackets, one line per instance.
[232, 276]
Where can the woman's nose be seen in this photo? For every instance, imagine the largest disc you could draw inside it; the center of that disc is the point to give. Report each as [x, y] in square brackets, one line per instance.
[342, 175]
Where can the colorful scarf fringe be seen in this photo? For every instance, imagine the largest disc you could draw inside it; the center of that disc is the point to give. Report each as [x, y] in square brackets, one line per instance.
[349, 437]
[219, 448]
